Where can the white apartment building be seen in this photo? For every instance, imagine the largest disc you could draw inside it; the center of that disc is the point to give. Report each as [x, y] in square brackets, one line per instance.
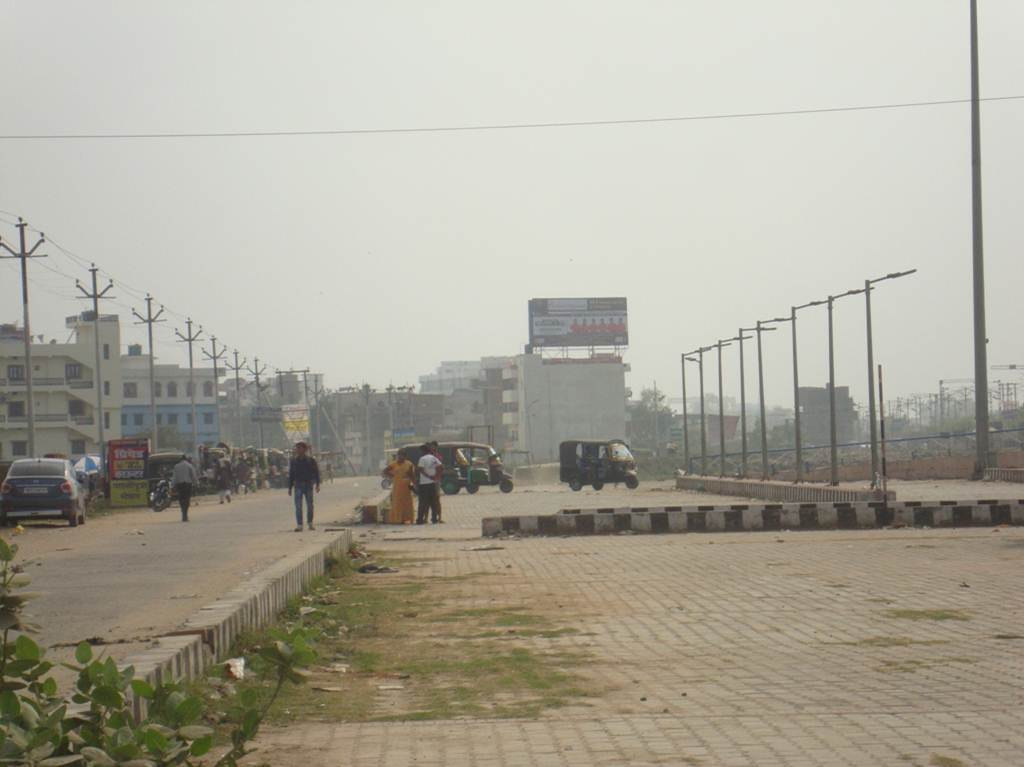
[547, 400]
[451, 375]
[64, 385]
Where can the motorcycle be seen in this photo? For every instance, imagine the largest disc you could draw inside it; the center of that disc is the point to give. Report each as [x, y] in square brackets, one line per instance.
[160, 498]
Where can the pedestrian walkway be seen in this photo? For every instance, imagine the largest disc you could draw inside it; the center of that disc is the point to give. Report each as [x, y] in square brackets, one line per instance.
[804, 649]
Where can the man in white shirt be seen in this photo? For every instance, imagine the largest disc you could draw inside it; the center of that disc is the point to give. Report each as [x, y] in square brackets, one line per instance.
[429, 470]
[184, 480]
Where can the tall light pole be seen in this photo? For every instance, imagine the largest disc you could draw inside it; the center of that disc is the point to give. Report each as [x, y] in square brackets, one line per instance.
[686, 431]
[759, 328]
[872, 409]
[832, 430]
[721, 407]
[24, 255]
[703, 417]
[798, 441]
[149, 321]
[743, 407]
[95, 297]
[980, 336]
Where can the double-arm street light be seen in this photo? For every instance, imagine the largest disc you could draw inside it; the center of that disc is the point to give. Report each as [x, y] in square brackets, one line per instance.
[743, 406]
[832, 431]
[762, 326]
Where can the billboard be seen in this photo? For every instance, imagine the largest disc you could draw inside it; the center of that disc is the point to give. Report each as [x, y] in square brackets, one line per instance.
[578, 322]
[295, 419]
[126, 464]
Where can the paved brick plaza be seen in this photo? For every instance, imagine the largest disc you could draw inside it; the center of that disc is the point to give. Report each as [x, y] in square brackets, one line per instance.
[882, 647]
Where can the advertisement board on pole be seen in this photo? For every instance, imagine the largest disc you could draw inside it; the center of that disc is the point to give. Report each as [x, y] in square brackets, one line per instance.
[295, 420]
[578, 322]
[126, 464]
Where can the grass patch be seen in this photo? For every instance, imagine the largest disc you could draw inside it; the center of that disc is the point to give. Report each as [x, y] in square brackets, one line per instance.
[395, 648]
[929, 615]
[938, 760]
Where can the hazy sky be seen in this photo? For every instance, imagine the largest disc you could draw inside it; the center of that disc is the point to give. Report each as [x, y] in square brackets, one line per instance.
[373, 257]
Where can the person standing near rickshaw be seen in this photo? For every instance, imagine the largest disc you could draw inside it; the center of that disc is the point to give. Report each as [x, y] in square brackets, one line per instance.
[429, 471]
[402, 473]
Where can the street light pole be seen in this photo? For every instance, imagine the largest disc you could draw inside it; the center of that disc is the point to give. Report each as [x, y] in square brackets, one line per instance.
[798, 443]
[686, 431]
[832, 430]
[743, 408]
[721, 407]
[703, 421]
[980, 336]
[872, 406]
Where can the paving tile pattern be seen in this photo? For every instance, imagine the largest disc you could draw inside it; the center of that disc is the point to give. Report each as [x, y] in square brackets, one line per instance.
[738, 649]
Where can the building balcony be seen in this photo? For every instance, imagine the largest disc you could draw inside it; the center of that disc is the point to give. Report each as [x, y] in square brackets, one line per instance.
[39, 382]
[79, 384]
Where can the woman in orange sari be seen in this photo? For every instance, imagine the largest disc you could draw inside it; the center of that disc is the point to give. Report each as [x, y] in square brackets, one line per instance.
[403, 475]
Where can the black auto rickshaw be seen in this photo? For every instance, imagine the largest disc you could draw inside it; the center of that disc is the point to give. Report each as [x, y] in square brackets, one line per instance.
[596, 462]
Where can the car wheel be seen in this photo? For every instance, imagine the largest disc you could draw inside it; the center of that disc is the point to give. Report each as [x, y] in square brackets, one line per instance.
[632, 482]
[450, 488]
[471, 489]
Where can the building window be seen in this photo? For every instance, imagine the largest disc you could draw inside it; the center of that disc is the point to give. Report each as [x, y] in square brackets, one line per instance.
[19, 447]
[106, 388]
[16, 372]
[208, 388]
[137, 419]
[124, 419]
[188, 419]
[158, 389]
[106, 420]
[15, 409]
[172, 389]
[76, 407]
[106, 351]
[73, 372]
[78, 447]
[189, 389]
[208, 419]
[131, 390]
[172, 419]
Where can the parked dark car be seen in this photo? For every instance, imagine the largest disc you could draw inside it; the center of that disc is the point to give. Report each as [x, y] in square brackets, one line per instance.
[42, 488]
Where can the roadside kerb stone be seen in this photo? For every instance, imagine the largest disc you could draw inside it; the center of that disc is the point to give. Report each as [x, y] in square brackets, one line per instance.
[207, 636]
[776, 491]
[755, 517]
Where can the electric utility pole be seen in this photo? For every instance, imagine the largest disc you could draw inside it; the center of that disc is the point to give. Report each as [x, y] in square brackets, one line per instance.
[256, 370]
[214, 356]
[237, 368]
[95, 297]
[190, 338]
[148, 321]
[24, 254]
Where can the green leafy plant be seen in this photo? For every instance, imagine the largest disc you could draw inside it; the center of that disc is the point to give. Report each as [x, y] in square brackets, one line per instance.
[96, 726]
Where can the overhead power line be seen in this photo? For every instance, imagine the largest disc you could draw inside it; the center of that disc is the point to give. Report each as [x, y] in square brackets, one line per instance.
[492, 126]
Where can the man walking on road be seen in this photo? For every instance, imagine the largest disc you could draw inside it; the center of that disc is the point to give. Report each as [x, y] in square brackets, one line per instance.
[303, 477]
[184, 479]
[429, 470]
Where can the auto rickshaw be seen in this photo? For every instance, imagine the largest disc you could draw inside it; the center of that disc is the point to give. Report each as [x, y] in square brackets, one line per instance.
[469, 465]
[596, 462]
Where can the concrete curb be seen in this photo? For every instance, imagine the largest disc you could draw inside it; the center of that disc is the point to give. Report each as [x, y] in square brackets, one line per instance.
[370, 511]
[756, 517]
[207, 636]
[776, 491]
[1004, 475]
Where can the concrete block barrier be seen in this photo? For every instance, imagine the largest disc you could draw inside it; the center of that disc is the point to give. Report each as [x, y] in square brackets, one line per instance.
[206, 637]
[777, 491]
[755, 517]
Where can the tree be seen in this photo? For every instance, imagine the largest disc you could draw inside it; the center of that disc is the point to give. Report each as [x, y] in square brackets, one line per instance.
[649, 420]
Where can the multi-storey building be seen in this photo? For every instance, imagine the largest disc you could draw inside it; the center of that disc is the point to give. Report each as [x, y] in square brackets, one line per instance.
[64, 382]
[173, 402]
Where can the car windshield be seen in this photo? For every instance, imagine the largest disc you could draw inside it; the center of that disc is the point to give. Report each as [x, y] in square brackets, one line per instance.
[620, 452]
[37, 469]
